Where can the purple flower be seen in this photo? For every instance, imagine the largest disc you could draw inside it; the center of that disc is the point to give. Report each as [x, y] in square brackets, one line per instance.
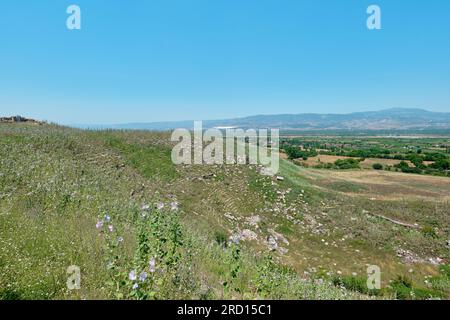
[151, 265]
[174, 206]
[111, 228]
[107, 218]
[135, 286]
[99, 224]
[159, 205]
[143, 276]
[132, 275]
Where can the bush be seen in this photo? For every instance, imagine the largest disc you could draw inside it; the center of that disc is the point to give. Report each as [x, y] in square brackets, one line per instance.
[377, 166]
[441, 164]
[221, 238]
[405, 168]
[294, 152]
[347, 163]
[429, 232]
[403, 289]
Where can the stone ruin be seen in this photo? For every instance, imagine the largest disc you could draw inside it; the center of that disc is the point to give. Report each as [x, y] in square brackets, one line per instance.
[17, 119]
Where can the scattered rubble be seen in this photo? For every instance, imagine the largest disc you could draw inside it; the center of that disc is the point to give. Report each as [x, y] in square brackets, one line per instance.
[273, 242]
[229, 216]
[244, 235]
[253, 221]
[436, 261]
[408, 256]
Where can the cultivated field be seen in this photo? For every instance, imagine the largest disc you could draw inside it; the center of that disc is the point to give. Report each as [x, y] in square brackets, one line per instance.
[382, 184]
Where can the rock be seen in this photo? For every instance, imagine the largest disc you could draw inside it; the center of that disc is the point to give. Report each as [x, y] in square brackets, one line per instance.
[435, 261]
[253, 221]
[245, 235]
[208, 176]
[234, 238]
[272, 243]
[248, 235]
[408, 256]
[278, 236]
[230, 216]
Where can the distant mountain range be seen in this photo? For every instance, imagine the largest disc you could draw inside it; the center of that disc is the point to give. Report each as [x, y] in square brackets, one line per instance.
[388, 120]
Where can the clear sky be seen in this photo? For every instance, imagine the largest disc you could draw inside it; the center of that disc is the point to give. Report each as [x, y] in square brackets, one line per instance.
[156, 60]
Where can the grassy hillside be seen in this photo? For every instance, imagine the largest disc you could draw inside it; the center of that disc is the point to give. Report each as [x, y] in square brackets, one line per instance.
[112, 203]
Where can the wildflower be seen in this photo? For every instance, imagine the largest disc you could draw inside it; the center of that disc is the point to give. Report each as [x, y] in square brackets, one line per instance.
[135, 286]
[151, 265]
[107, 218]
[132, 275]
[143, 276]
[99, 224]
[120, 239]
[111, 228]
[145, 207]
[159, 205]
[174, 206]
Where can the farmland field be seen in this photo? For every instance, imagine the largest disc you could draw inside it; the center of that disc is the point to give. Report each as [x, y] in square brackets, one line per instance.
[112, 203]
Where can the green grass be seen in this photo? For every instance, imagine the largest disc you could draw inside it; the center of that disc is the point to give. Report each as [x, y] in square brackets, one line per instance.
[56, 183]
[150, 161]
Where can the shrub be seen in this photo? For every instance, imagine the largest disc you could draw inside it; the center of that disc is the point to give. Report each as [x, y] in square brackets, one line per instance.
[429, 232]
[441, 164]
[295, 152]
[403, 289]
[377, 166]
[221, 238]
[347, 163]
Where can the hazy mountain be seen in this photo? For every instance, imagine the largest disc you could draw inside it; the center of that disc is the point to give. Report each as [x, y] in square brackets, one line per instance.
[389, 119]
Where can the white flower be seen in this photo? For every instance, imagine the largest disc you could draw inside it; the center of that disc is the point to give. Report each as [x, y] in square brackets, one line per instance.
[132, 275]
[151, 265]
[143, 276]
[174, 205]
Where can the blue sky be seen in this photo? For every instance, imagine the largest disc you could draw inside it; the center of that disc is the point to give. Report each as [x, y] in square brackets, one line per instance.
[157, 60]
